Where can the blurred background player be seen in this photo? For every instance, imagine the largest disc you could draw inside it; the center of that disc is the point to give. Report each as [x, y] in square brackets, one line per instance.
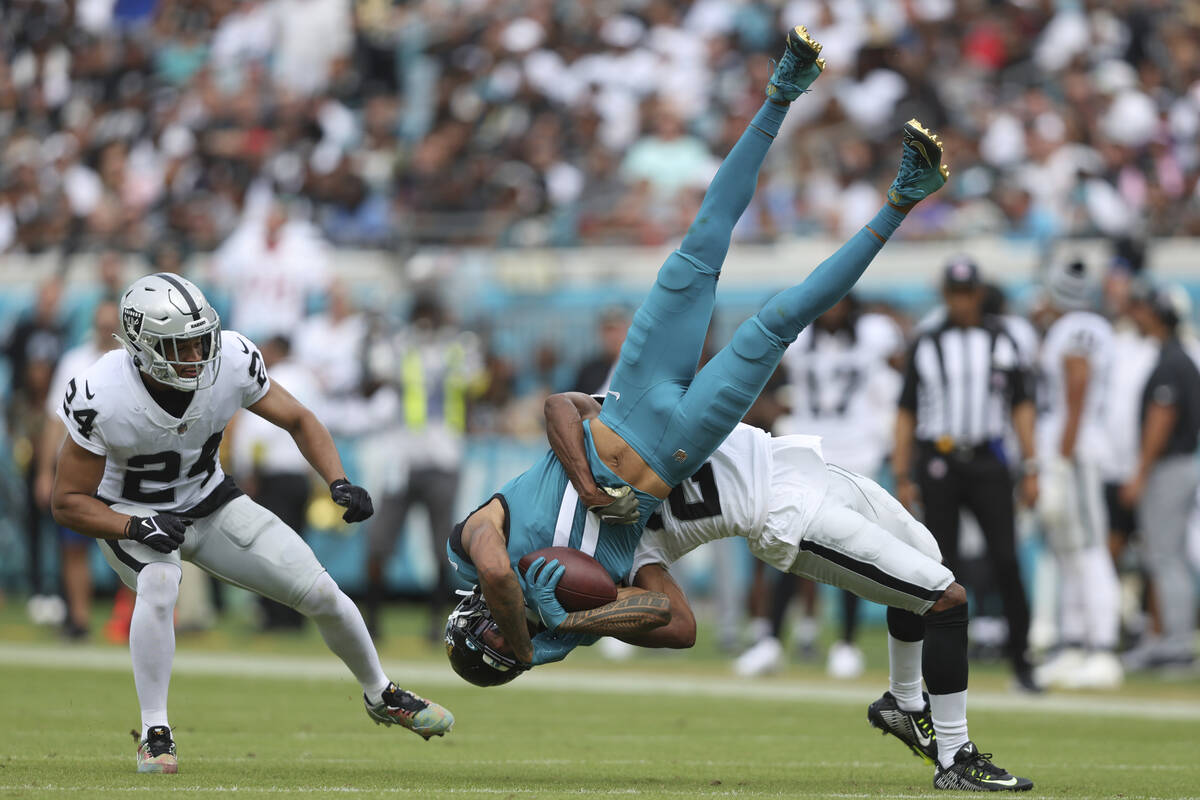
[75, 548]
[841, 387]
[1163, 487]
[595, 373]
[33, 347]
[435, 368]
[964, 379]
[1075, 368]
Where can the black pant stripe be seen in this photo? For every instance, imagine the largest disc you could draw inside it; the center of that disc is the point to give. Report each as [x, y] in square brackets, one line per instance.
[870, 571]
[124, 557]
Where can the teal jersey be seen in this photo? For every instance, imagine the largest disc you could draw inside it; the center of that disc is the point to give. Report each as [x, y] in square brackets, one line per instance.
[544, 510]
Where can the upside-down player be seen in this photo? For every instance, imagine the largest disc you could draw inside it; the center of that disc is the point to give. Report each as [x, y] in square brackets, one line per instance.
[661, 421]
[139, 471]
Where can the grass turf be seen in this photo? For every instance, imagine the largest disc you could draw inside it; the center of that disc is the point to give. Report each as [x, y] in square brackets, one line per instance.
[263, 716]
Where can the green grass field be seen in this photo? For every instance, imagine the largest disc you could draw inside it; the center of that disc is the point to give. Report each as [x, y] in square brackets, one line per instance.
[264, 716]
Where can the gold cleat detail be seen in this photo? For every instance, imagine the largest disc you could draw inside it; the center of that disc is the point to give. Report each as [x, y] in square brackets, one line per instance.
[920, 141]
[802, 32]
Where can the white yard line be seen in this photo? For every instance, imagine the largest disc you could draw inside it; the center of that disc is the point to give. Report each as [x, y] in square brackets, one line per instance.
[420, 675]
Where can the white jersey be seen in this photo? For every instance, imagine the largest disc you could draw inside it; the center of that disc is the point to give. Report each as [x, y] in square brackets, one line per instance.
[1134, 356]
[733, 492]
[152, 458]
[843, 390]
[1088, 335]
[72, 363]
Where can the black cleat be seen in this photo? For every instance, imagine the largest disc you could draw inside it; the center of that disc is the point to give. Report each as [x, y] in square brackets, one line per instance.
[973, 771]
[914, 728]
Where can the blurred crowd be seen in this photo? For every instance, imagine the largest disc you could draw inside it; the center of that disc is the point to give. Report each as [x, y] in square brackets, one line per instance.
[156, 125]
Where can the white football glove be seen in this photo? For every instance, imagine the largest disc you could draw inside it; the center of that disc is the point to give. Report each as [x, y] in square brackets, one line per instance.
[623, 510]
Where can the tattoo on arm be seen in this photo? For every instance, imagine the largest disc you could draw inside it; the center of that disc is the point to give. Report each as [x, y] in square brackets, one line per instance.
[636, 613]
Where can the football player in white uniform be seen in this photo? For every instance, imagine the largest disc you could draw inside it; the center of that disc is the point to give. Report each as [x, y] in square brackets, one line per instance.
[139, 471]
[1075, 362]
[842, 389]
[802, 515]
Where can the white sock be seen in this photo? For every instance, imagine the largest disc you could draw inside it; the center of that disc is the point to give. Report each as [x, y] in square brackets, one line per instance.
[1073, 612]
[1103, 598]
[345, 633]
[152, 639]
[904, 673]
[949, 712]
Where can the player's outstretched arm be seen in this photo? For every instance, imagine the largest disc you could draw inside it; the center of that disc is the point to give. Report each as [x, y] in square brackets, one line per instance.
[484, 542]
[565, 413]
[73, 499]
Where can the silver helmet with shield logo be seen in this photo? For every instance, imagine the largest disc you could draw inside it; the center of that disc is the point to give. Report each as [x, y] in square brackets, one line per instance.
[171, 331]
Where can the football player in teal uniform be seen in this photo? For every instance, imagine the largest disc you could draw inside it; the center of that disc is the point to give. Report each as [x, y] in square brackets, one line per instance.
[662, 419]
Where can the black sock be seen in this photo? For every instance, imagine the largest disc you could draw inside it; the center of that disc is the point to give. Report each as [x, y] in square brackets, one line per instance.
[944, 657]
[905, 626]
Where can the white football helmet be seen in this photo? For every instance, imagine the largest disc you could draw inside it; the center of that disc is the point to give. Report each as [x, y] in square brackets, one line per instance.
[162, 313]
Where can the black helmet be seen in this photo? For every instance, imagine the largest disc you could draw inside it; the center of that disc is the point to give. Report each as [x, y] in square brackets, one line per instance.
[474, 661]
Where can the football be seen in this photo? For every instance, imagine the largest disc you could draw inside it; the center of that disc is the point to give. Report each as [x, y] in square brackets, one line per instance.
[584, 585]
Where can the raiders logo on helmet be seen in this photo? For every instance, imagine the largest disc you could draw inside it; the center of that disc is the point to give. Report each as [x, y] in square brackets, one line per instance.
[132, 319]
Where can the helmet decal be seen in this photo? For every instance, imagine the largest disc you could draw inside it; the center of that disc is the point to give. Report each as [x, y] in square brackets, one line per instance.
[132, 319]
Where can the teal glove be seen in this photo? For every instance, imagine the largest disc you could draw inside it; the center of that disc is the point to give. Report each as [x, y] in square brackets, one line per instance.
[541, 579]
[551, 647]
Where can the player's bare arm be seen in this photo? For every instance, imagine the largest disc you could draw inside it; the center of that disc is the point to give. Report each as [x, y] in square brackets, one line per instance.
[680, 630]
[906, 428]
[1076, 375]
[73, 500]
[635, 611]
[565, 414]
[1023, 416]
[1156, 430]
[280, 408]
[483, 540]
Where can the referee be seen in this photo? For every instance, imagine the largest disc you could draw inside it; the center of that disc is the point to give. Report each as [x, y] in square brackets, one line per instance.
[964, 379]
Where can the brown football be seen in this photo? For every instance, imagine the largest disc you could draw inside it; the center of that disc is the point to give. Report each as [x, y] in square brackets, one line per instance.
[584, 585]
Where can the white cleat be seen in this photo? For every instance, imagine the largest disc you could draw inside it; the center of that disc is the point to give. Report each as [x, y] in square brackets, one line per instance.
[846, 661]
[765, 657]
[1100, 670]
[1061, 670]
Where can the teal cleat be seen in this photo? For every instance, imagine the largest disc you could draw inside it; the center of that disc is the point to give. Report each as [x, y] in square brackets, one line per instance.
[921, 169]
[798, 67]
[403, 708]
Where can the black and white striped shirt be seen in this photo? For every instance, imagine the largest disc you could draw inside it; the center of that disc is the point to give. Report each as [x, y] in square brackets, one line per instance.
[964, 382]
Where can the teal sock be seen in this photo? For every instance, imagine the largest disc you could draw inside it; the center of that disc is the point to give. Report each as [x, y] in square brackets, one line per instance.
[769, 118]
[707, 240]
[787, 313]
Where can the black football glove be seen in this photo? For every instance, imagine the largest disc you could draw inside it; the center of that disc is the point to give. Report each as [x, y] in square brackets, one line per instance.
[354, 498]
[162, 532]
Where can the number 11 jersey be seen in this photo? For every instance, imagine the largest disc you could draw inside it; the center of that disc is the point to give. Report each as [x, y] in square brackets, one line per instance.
[154, 459]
